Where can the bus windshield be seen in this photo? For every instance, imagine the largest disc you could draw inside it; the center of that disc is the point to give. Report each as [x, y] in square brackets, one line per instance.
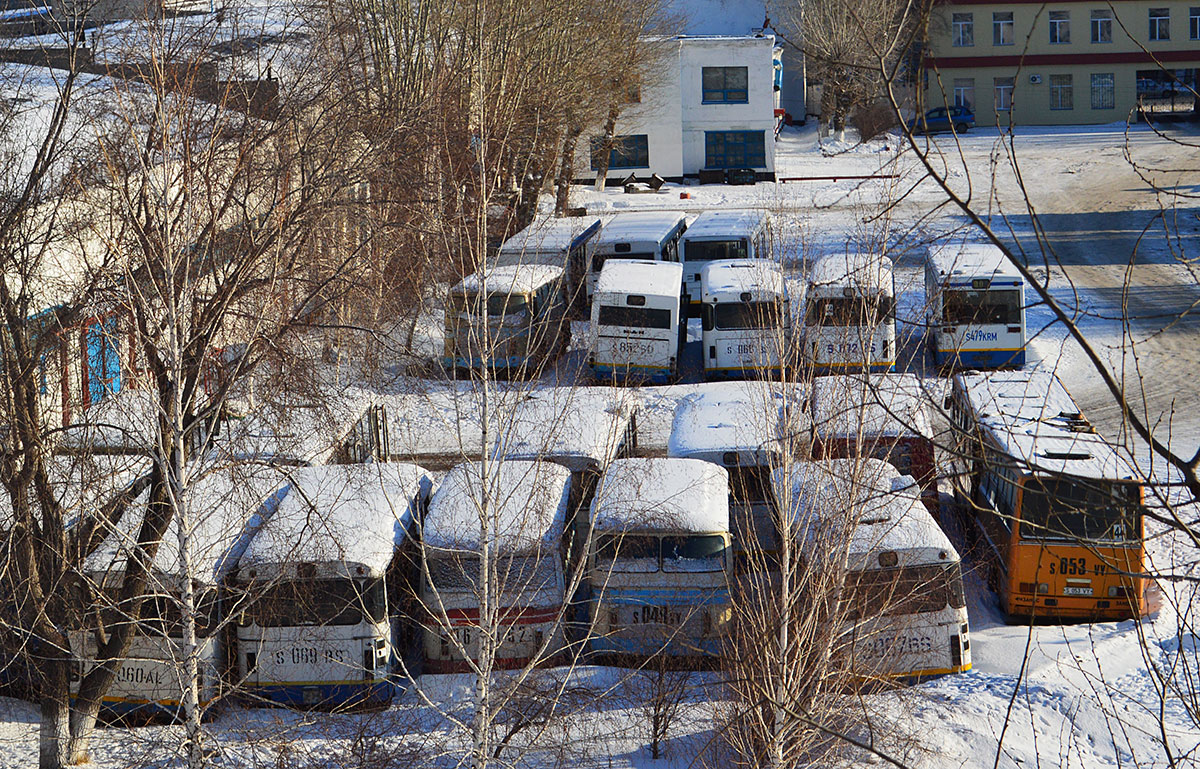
[711, 250]
[734, 315]
[646, 553]
[497, 304]
[460, 573]
[1063, 508]
[634, 317]
[704, 552]
[907, 590]
[981, 307]
[318, 602]
[849, 311]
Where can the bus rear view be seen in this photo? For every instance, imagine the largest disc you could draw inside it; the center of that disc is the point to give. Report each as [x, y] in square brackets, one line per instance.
[638, 328]
[975, 308]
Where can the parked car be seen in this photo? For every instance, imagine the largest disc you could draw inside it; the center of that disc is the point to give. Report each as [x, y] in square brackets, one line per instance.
[1148, 88]
[958, 118]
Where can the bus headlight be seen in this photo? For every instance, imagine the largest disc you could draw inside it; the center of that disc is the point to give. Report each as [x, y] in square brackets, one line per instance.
[717, 619]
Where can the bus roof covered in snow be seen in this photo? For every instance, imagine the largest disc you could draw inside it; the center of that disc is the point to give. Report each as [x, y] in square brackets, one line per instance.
[866, 273]
[723, 225]
[714, 426]
[760, 278]
[662, 494]
[959, 264]
[874, 405]
[639, 276]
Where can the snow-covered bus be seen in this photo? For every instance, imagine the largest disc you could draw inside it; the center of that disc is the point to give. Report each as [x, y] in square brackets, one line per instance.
[746, 319]
[510, 319]
[740, 430]
[518, 509]
[644, 235]
[315, 626]
[721, 235]
[885, 416]
[559, 242]
[661, 559]
[863, 532]
[639, 324]
[1055, 509]
[974, 307]
[850, 320]
[222, 511]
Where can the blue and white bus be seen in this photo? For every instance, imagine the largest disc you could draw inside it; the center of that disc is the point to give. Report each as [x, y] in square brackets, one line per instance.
[661, 559]
[746, 319]
[850, 320]
[315, 621]
[645, 235]
[718, 235]
[974, 307]
[639, 324]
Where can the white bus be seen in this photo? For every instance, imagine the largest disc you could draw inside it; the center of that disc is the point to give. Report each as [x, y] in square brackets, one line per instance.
[645, 235]
[747, 319]
[661, 559]
[721, 235]
[639, 324]
[510, 319]
[850, 321]
[315, 627]
[742, 432]
[524, 505]
[974, 307]
[223, 510]
[559, 242]
[863, 532]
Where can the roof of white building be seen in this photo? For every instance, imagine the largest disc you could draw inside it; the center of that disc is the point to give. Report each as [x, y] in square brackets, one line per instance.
[662, 494]
[353, 514]
[527, 505]
[640, 276]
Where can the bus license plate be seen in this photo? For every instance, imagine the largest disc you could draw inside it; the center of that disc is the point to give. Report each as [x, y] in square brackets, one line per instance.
[1077, 591]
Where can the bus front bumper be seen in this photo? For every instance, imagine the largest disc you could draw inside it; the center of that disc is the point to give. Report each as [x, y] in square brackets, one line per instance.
[633, 374]
[981, 359]
[333, 695]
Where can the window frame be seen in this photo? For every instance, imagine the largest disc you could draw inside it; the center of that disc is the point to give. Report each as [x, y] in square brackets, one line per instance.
[1060, 28]
[725, 94]
[998, 87]
[998, 26]
[1101, 24]
[962, 30]
[1194, 23]
[744, 138]
[1061, 89]
[620, 151]
[964, 85]
[1159, 25]
[1095, 82]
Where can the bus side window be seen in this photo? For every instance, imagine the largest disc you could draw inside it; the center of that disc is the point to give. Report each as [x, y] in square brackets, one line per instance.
[706, 315]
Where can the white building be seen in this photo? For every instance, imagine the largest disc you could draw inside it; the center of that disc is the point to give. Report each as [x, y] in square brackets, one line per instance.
[706, 102]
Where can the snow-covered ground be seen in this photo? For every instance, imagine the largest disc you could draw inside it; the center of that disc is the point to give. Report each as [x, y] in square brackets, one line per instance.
[1086, 695]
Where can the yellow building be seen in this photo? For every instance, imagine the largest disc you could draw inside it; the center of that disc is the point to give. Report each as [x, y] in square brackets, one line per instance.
[1072, 61]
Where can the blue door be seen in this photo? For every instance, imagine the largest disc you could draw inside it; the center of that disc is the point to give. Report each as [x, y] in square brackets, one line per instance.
[103, 364]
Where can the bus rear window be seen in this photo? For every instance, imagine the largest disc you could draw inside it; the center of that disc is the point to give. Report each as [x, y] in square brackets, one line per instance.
[599, 259]
[849, 311]
[711, 250]
[634, 317]
[1073, 509]
[301, 603]
[734, 315]
[981, 307]
[907, 590]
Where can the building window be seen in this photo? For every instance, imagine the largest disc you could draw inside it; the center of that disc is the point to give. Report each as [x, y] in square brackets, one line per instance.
[631, 151]
[1194, 23]
[734, 149]
[964, 30]
[1103, 96]
[724, 85]
[1102, 26]
[1060, 26]
[1004, 93]
[964, 92]
[1002, 28]
[1160, 24]
[1060, 92]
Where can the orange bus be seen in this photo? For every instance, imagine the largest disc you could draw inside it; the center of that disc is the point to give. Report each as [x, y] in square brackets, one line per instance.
[1051, 507]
